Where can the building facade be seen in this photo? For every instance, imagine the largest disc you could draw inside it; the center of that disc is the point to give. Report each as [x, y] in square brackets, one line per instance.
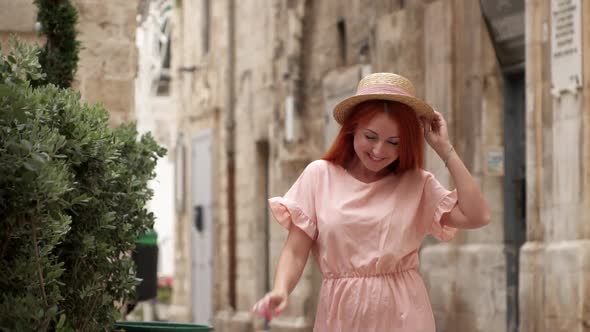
[555, 278]
[108, 57]
[256, 81]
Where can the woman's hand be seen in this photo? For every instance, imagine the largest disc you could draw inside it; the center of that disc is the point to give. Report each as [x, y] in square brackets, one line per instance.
[436, 133]
[291, 264]
[272, 304]
[472, 210]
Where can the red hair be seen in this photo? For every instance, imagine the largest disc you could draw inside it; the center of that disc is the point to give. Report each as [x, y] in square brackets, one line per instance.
[411, 147]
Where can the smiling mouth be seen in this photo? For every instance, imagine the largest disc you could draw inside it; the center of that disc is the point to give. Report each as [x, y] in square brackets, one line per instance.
[373, 158]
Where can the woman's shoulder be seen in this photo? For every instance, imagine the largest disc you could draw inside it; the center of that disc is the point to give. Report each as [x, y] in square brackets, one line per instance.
[320, 165]
[417, 175]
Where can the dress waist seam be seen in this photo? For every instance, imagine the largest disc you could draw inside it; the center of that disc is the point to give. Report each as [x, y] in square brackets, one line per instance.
[363, 276]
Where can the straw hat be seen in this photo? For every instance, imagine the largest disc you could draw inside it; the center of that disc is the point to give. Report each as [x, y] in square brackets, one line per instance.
[383, 86]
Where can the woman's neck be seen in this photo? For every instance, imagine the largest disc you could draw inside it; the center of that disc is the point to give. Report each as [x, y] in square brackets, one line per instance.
[356, 168]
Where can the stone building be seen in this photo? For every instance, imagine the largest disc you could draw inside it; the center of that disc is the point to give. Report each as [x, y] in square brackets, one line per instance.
[18, 18]
[255, 82]
[555, 275]
[108, 58]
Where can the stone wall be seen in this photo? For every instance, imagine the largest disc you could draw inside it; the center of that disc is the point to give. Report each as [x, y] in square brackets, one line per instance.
[108, 59]
[313, 53]
[296, 64]
[555, 295]
[107, 66]
[199, 88]
[293, 49]
[18, 18]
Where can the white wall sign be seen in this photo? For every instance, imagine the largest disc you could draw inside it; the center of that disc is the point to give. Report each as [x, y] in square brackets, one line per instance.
[495, 162]
[566, 46]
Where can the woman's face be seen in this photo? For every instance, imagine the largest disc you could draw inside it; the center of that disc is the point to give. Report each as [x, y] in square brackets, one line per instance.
[376, 143]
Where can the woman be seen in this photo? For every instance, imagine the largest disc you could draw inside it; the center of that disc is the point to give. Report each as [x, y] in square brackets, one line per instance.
[365, 208]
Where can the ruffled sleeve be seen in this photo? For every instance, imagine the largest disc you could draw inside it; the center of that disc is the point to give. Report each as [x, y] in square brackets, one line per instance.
[297, 206]
[438, 201]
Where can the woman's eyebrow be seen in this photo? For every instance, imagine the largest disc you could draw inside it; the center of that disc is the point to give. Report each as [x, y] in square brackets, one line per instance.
[378, 134]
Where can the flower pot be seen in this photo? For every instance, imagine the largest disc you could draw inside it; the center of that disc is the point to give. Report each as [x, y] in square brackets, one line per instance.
[161, 327]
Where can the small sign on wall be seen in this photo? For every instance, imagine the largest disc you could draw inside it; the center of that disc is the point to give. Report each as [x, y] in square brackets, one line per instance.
[495, 162]
[566, 46]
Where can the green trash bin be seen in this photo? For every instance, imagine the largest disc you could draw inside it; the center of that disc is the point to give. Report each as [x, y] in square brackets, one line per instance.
[145, 257]
[160, 327]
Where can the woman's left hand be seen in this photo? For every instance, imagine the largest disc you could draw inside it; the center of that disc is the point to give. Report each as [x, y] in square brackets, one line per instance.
[436, 133]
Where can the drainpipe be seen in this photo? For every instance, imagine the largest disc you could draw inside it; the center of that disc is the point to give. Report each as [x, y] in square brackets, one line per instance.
[230, 154]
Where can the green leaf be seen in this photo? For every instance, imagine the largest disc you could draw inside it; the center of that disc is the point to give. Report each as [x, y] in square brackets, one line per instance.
[45, 156]
[26, 144]
[52, 311]
[30, 166]
[38, 158]
[60, 323]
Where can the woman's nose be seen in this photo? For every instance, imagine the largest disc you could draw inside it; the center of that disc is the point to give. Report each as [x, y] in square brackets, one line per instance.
[377, 149]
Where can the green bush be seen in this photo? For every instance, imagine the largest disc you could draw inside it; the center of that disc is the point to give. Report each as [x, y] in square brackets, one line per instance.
[59, 56]
[73, 194]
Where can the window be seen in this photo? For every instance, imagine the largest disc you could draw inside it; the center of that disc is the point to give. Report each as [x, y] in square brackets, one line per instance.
[342, 40]
[163, 88]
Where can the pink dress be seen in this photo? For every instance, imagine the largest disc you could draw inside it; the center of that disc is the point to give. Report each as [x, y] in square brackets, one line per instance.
[367, 237]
